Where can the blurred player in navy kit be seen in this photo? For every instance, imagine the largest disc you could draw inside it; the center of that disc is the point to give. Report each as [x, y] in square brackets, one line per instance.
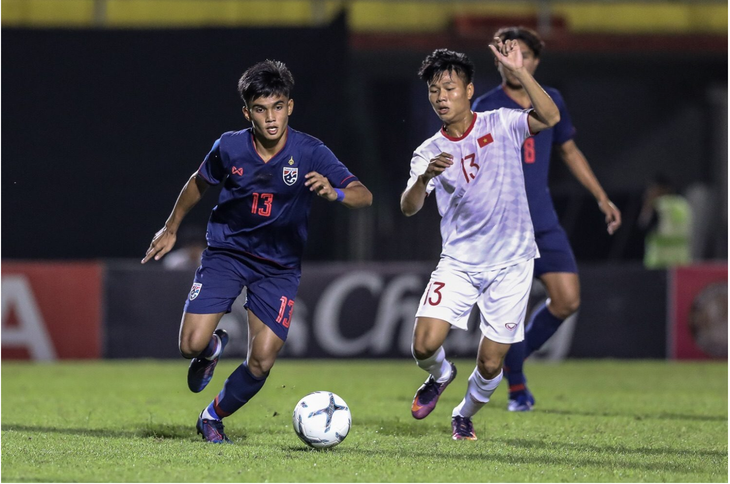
[256, 236]
[556, 266]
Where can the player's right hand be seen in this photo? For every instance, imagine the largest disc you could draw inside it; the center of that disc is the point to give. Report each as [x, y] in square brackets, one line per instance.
[438, 165]
[162, 243]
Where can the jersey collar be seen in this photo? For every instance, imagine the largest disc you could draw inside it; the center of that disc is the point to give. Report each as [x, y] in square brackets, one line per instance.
[466, 133]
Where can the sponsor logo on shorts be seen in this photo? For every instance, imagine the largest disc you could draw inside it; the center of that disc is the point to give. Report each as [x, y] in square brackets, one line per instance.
[197, 286]
[290, 175]
[511, 326]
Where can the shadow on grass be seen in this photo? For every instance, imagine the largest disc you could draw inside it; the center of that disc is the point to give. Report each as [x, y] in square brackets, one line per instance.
[154, 431]
[658, 416]
[667, 452]
[480, 453]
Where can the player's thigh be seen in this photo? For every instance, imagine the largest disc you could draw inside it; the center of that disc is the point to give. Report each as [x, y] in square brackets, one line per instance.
[263, 346]
[428, 336]
[217, 283]
[503, 304]
[449, 296]
[271, 299]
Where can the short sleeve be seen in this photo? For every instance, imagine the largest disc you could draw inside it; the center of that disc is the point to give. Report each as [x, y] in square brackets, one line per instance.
[327, 164]
[419, 164]
[212, 169]
[564, 130]
[516, 124]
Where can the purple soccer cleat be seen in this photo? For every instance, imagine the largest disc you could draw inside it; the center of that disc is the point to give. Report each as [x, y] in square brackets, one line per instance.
[201, 370]
[462, 428]
[428, 395]
[212, 430]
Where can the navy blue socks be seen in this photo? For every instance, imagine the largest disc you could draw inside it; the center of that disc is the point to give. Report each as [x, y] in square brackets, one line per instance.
[539, 329]
[238, 389]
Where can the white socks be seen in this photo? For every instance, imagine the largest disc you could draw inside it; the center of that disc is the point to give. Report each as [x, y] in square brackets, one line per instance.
[436, 365]
[478, 392]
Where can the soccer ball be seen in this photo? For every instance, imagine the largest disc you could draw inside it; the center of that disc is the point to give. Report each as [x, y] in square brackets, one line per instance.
[321, 419]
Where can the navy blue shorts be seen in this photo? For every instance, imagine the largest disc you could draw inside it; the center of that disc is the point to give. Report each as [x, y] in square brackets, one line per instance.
[220, 279]
[555, 252]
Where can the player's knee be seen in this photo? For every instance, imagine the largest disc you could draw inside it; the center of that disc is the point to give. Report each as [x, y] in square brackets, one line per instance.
[564, 307]
[190, 348]
[421, 349]
[260, 367]
[489, 367]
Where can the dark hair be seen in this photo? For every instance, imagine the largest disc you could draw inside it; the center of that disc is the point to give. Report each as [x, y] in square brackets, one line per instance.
[443, 60]
[528, 36]
[267, 78]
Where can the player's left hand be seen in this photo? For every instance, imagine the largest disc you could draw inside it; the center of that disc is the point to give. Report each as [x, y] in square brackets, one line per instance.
[321, 185]
[612, 213]
[507, 53]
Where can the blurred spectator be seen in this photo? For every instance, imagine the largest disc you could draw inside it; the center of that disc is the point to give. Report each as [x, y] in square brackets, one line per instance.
[666, 217]
[191, 244]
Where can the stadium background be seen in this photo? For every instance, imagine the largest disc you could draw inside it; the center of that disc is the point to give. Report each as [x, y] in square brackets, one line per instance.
[109, 105]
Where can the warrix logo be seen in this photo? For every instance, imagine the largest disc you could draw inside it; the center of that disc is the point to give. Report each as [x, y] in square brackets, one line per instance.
[511, 326]
[237, 171]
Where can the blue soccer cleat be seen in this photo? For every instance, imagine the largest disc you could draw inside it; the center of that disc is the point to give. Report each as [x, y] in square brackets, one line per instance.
[201, 370]
[212, 430]
[521, 401]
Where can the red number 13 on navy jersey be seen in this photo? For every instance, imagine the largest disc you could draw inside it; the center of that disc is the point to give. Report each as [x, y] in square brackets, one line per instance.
[266, 199]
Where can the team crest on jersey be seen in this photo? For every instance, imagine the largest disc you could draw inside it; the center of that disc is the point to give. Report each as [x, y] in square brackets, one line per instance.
[195, 290]
[511, 326]
[290, 175]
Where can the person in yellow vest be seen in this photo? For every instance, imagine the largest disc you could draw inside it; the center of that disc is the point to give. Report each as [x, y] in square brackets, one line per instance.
[668, 216]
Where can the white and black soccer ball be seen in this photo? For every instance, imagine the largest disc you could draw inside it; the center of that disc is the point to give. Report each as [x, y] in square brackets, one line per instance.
[322, 419]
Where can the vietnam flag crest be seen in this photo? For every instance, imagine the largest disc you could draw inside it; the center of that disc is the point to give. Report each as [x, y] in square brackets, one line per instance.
[485, 140]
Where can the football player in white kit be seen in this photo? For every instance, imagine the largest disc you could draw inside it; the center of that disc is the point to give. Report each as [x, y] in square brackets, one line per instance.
[474, 166]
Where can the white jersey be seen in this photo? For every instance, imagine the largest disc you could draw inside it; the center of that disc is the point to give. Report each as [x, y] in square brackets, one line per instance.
[485, 219]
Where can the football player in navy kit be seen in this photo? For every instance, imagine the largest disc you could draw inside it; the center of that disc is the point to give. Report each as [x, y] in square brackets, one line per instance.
[556, 266]
[256, 236]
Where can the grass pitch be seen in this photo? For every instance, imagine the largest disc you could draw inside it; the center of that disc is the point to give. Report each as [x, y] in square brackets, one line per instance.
[594, 421]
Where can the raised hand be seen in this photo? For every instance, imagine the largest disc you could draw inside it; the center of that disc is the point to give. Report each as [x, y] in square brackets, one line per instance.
[507, 53]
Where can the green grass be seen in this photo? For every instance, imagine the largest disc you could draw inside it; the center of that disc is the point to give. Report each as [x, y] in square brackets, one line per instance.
[595, 421]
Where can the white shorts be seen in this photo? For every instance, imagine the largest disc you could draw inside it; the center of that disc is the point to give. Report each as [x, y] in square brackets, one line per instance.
[501, 296]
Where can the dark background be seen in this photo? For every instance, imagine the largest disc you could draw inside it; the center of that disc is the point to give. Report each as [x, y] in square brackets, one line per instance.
[101, 129]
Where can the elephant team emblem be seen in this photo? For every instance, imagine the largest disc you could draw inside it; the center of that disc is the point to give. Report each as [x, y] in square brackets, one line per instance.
[290, 175]
[197, 286]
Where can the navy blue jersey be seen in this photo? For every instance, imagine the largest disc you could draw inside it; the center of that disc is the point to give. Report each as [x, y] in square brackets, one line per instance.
[263, 207]
[536, 152]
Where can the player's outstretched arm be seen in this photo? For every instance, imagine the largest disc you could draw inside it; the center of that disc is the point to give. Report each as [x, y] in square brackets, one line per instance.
[164, 239]
[354, 195]
[582, 171]
[413, 197]
[546, 113]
